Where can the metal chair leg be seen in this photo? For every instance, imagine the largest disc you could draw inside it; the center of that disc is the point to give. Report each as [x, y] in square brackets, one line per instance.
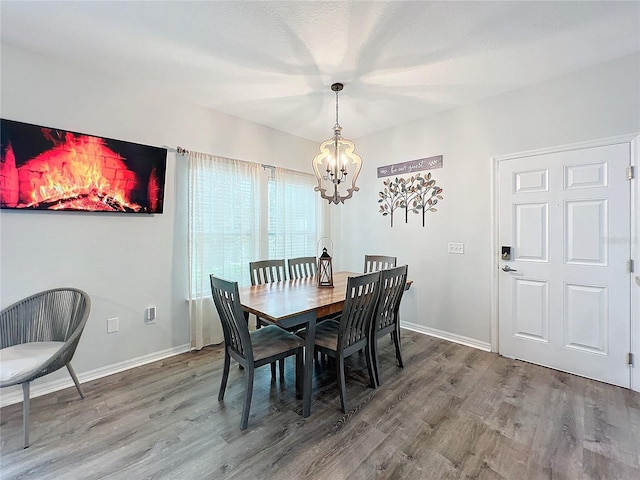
[75, 379]
[25, 413]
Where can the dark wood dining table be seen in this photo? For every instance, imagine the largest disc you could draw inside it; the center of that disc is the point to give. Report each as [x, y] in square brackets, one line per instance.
[298, 302]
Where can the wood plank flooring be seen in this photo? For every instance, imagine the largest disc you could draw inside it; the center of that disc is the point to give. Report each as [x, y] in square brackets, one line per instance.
[453, 412]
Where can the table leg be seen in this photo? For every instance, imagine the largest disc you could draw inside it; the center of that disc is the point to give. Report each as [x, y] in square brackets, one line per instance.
[310, 337]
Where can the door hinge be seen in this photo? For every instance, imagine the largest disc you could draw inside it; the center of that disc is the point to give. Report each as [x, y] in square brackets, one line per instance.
[631, 265]
[630, 359]
[630, 172]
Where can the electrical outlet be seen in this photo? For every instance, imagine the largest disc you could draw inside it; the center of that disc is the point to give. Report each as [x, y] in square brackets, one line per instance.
[150, 315]
[456, 248]
[113, 325]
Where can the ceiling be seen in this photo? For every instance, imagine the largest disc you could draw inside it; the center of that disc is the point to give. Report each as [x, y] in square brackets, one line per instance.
[272, 62]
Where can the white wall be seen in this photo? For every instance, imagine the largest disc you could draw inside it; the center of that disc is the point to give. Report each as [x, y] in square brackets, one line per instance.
[125, 262]
[452, 293]
[129, 262]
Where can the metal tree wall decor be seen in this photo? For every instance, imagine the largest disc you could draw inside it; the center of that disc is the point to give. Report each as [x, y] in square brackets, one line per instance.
[418, 194]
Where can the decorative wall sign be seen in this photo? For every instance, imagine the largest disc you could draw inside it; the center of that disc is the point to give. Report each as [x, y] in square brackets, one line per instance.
[403, 168]
[417, 194]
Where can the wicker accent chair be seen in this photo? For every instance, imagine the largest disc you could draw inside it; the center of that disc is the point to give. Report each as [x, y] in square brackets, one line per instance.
[39, 335]
[392, 287]
[250, 349]
[375, 263]
[351, 331]
[302, 267]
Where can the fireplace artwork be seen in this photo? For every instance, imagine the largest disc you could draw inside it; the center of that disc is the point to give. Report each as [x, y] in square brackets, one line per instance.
[44, 168]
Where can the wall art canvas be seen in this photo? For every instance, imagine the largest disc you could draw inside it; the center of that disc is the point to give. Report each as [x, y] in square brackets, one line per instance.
[44, 168]
[417, 194]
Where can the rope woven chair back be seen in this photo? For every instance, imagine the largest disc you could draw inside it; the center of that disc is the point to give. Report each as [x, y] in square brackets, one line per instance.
[56, 315]
[267, 271]
[357, 314]
[392, 285]
[374, 263]
[302, 267]
[236, 332]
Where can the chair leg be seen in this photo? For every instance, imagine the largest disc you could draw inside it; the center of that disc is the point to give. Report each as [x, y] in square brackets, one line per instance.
[225, 376]
[372, 373]
[342, 386]
[396, 339]
[247, 398]
[25, 413]
[75, 379]
[299, 372]
[375, 360]
[282, 369]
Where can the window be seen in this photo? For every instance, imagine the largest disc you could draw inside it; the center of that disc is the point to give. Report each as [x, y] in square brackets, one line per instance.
[295, 214]
[240, 212]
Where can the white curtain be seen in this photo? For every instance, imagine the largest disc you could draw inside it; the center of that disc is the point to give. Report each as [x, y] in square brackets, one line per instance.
[295, 215]
[223, 234]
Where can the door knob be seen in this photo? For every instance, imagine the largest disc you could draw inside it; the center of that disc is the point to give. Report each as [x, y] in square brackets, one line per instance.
[507, 268]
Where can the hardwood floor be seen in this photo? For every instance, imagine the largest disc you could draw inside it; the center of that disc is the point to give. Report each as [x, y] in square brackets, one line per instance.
[453, 412]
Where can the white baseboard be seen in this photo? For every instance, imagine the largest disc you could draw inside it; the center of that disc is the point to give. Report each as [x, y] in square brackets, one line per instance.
[452, 337]
[37, 390]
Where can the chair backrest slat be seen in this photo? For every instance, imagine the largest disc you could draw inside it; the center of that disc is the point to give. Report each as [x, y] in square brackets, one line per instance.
[267, 271]
[392, 286]
[374, 263]
[236, 331]
[302, 267]
[357, 314]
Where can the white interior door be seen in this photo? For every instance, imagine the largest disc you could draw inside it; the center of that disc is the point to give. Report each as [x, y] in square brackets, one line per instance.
[564, 299]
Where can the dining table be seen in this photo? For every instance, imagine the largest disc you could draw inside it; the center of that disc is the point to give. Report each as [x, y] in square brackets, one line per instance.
[299, 302]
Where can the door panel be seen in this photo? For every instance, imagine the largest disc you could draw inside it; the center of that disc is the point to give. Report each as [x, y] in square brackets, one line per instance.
[564, 299]
[586, 232]
[532, 309]
[532, 231]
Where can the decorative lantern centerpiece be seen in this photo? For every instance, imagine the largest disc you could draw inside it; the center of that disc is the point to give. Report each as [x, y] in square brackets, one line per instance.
[325, 270]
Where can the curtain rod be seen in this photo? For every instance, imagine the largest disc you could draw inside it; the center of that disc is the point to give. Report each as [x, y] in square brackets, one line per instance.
[183, 151]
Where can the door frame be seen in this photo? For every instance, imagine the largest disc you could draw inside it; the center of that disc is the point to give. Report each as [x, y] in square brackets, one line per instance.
[633, 140]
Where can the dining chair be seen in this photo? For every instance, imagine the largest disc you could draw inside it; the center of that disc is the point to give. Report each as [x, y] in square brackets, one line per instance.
[374, 263]
[351, 332]
[268, 271]
[302, 267]
[250, 349]
[39, 335]
[386, 317]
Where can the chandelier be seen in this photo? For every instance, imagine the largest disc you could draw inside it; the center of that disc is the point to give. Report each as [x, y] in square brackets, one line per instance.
[337, 166]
